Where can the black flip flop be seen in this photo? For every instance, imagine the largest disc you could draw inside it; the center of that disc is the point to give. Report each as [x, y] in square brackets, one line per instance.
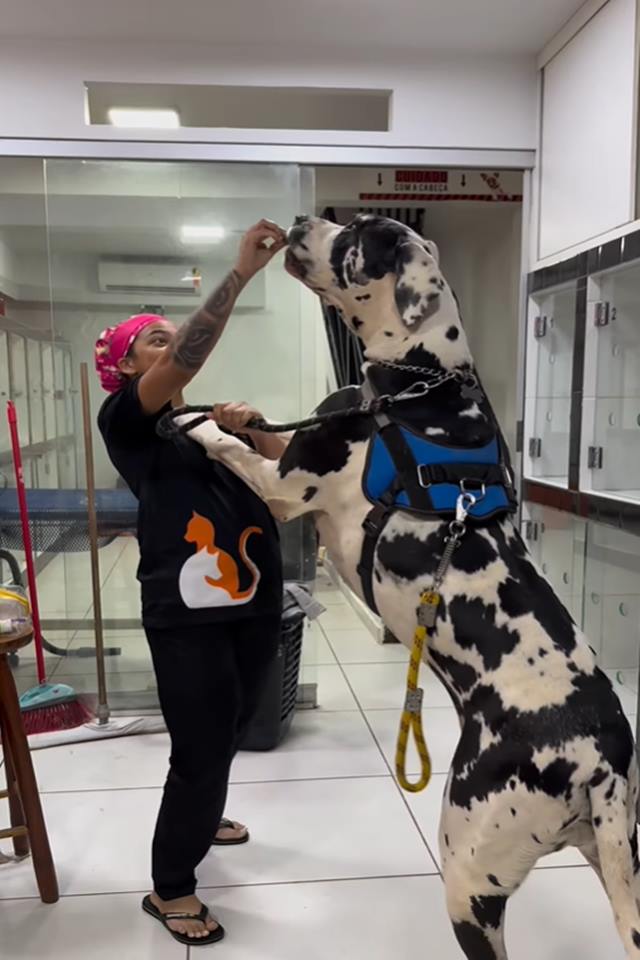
[214, 936]
[229, 825]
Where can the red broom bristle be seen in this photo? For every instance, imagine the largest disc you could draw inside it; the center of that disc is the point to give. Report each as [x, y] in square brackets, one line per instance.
[58, 716]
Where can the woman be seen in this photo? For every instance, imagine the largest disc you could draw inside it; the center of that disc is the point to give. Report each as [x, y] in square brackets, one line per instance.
[210, 572]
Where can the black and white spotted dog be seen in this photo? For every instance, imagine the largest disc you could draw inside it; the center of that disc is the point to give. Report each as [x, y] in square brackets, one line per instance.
[546, 757]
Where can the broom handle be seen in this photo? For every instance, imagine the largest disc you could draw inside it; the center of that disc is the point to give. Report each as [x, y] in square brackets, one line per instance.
[12, 418]
[103, 707]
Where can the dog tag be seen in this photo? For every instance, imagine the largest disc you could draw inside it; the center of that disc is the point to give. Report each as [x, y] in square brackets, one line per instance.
[428, 611]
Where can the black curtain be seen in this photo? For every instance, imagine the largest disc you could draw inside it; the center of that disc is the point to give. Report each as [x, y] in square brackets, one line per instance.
[345, 347]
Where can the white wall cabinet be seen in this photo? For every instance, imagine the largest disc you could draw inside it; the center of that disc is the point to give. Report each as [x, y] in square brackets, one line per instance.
[588, 130]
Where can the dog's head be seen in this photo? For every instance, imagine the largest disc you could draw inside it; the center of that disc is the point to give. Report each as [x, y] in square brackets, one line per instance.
[382, 276]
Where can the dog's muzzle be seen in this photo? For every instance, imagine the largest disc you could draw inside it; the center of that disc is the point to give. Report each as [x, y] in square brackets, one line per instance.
[298, 231]
[293, 265]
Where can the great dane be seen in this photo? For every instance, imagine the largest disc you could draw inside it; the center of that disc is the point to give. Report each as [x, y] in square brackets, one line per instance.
[546, 756]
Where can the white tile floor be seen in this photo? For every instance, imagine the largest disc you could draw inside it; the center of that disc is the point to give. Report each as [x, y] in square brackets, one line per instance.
[332, 834]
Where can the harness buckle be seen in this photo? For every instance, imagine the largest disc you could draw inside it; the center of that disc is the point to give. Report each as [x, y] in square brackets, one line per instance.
[468, 485]
[425, 484]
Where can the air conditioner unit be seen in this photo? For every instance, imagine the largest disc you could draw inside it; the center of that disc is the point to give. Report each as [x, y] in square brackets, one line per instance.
[136, 276]
[144, 278]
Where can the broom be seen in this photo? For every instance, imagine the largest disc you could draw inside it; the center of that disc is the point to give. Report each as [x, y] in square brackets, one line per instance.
[49, 706]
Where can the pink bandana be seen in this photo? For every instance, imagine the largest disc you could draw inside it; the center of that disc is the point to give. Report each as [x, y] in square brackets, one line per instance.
[113, 344]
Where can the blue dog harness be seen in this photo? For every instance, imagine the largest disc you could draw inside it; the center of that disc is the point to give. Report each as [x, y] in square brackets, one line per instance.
[407, 471]
[441, 473]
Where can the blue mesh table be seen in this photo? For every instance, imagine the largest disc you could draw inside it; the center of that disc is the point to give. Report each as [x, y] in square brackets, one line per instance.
[58, 518]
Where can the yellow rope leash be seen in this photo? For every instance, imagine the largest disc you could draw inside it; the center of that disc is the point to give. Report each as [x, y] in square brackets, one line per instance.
[411, 720]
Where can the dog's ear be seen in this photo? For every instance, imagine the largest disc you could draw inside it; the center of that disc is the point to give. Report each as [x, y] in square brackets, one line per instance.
[419, 282]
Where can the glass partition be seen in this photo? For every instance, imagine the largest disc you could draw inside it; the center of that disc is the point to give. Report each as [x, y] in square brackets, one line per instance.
[127, 237]
[25, 378]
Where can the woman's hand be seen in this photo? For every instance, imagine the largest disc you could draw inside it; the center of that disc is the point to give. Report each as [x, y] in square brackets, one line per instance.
[235, 417]
[258, 246]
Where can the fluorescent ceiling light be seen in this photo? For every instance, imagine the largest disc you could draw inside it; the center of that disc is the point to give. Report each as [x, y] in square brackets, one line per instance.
[129, 117]
[197, 234]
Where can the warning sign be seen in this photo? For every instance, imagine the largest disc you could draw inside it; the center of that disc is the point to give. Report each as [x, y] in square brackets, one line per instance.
[421, 186]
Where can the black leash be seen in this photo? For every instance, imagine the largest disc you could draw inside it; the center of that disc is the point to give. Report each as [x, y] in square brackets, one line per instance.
[167, 428]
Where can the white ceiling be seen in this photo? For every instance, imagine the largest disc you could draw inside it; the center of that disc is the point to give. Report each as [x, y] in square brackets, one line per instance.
[480, 26]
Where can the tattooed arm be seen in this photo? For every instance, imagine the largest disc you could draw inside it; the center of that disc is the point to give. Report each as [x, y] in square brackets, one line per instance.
[194, 341]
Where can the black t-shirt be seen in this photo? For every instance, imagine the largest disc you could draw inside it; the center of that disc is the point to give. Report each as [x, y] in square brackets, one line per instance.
[208, 545]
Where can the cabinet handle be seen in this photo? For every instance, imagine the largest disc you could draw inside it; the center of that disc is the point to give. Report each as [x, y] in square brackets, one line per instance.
[595, 458]
[535, 447]
[539, 327]
[603, 313]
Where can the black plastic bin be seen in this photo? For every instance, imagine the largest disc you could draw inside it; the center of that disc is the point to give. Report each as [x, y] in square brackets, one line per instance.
[274, 714]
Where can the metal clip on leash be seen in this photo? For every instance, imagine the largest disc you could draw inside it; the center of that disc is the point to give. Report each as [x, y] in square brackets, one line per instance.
[430, 601]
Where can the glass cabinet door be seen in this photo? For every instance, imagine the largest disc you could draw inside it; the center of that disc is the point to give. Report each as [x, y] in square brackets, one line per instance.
[62, 427]
[48, 462]
[550, 337]
[610, 456]
[66, 440]
[71, 464]
[19, 389]
[5, 444]
[48, 392]
[556, 541]
[68, 392]
[612, 597]
[36, 402]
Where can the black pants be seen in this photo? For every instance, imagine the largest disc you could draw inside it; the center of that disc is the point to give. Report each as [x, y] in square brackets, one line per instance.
[209, 681]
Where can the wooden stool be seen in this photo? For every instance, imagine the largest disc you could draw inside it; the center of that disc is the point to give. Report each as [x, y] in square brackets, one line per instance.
[28, 830]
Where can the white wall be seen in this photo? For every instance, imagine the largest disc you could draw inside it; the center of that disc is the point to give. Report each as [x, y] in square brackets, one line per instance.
[587, 148]
[266, 358]
[448, 101]
[480, 256]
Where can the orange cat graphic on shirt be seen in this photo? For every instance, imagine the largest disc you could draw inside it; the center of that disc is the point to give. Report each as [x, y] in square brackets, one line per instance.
[211, 578]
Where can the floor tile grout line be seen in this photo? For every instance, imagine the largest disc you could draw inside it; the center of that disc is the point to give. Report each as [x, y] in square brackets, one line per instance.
[308, 666]
[281, 883]
[434, 860]
[323, 880]
[115, 563]
[232, 783]
[239, 886]
[369, 663]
